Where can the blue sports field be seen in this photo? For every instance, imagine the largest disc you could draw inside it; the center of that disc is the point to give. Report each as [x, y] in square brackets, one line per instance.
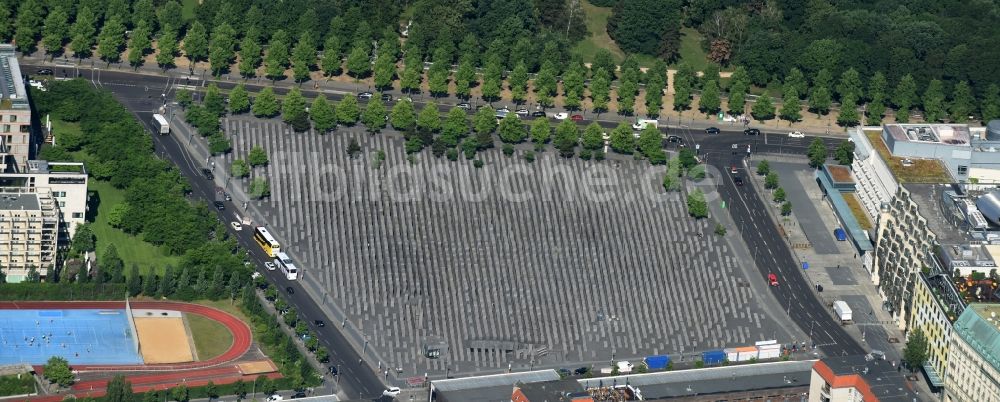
[79, 336]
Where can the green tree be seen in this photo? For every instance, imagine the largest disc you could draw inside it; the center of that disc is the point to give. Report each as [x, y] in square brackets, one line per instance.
[790, 107]
[348, 111]
[796, 79]
[139, 44]
[541, 132]
[990, 106]
[119, 390]
[212, 391]
[710, 102]
[779, 195]
[84, 239]
[456, 126]
[303, 58]
[179, 393]
[276, 58]
[214, 103]
[817, 153]
[511, 129]
[412, 74]
[184, 98]
[848, 116]
[374, 115]
[57, 371]
[518, 82]
[294, 106]
[962, 102]
[771, 180]
[266, 104]
[786, 208]
[358, 65]
[845, 153]
[737, 98]
[239, 99]
[55, 31]
[111, 263]
[437, 78]
[403, 117]
[876, 98]
[763, 168]
[850, 85]
[697, 206]
[259, 188]
[257, 156]
[651, 146]
[167, 46]
[546, 84]
[915, 352]
[83, 32]
[647, 26]
[903, 97]
[239, 168]
[134, 283]
[934, 101]
[331, 60]
[492, 79]
[763, 108]
[820, 100]
[622, 140]
[463, 78]
[222, 48]
[385, 70]
[429, 119]
[484, 121]
[600, 90]
[593, 137]
[322, 114]
[567, 136]
[249, 56]
[196, 42]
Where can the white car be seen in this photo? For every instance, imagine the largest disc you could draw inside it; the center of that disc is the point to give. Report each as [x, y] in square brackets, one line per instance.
[560, 116]
[270, 266]
[796, 134]
[391, 391]
[522, 112]
[236, 226]
[503, 110]
[275, 398]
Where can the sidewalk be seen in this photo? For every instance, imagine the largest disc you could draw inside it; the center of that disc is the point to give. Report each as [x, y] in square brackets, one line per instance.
[679, 120]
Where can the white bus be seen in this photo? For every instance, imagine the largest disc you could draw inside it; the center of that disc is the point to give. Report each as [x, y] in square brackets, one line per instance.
[287, 266]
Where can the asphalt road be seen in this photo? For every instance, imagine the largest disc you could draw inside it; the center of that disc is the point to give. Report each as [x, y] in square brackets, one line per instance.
[144, 93]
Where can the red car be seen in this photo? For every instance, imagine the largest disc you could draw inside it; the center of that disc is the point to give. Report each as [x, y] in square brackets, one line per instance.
[576, 117]
[772, 279]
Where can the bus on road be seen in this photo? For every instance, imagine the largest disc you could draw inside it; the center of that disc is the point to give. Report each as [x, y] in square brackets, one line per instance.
[266, 241]
[287, 266]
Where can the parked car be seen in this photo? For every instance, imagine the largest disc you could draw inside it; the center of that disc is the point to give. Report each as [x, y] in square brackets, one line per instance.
[275, 398]
[207, 173]
[503, 110]
[236, 226]
[675, 138]
[333, 370]
[577, 117]
[538, 113]
[712, 130]
[464, 105]
[386, 98]
[44, 71]
[560, 116]
[796, 134]
[751, 131]
[270, 266]
[522, 112]
[581, 370]
[299, 394]
[391, 391]
[219, 205]
[365, 95]
[319, 323]
[772, 279]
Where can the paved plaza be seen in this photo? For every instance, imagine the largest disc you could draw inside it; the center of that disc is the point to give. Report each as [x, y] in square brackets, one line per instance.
[431, 249]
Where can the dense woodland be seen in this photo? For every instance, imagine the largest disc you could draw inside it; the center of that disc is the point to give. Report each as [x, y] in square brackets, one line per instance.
[937, 56]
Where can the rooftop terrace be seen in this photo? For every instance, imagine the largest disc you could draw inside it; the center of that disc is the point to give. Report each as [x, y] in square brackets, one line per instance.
[915, 170]
[936, 206]
[952, 134]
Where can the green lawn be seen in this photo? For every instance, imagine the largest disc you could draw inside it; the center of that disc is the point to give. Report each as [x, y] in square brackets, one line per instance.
[12, 385]
[132, 249]
[188, 7]
[210, 337]
[691, 50]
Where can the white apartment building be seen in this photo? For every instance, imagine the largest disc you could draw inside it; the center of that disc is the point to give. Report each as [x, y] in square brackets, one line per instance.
[29, 224]
[67, 181]
[17, 144]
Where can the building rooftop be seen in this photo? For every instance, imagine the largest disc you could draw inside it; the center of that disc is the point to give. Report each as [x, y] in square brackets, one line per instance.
[979, 326]
[715, 380]
[489, 388]
[553, 391]
[840, 173]
[951, 134]
[908, 170]
[19, 201]
[948, 297]
[12, 92]
[882, 379]
[936, 203]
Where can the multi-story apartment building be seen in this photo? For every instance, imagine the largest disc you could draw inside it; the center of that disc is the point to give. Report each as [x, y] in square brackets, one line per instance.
[67, 181]
[861, 378]
[973, 372]
[29, 225]
[17, 142]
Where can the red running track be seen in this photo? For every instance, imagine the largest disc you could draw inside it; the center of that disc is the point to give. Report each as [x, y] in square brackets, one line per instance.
[242, 336]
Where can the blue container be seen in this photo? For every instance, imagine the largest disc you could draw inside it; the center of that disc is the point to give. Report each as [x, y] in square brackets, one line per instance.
[840, 234]
[713, 357]
[659, 362]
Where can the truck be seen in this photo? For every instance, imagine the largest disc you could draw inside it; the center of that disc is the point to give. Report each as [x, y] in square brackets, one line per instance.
[624, 367]
[642, 123]
[843, 311]
[658, 362]
[713, 357]
[163, 127]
